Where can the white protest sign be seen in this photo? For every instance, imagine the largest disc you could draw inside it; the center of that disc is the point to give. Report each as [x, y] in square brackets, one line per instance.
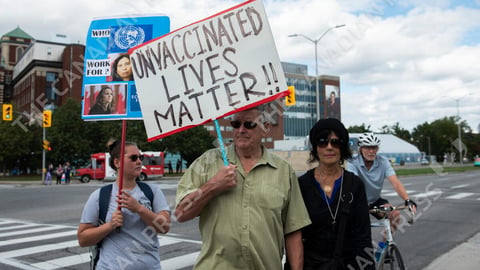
[210, 69]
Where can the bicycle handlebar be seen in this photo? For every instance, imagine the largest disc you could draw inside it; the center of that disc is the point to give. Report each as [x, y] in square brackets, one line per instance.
[382, 209]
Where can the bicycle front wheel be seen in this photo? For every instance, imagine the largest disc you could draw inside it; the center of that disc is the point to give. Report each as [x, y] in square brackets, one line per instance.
[391, 259]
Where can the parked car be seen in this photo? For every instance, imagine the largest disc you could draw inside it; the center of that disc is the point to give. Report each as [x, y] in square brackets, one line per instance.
[476, 162]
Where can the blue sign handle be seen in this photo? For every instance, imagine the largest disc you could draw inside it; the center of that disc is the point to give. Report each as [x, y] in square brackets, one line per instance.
[220, 141]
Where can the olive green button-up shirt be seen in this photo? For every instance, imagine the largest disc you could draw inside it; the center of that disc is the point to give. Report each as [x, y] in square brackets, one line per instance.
[244, 228]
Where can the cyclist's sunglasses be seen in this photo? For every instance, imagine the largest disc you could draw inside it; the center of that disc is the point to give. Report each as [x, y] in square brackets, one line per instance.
[246, 124]
[322, 143]
[135, 157]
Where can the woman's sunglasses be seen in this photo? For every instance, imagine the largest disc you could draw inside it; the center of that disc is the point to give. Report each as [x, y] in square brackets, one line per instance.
[322, 143]
[246, 124]
[135, 157]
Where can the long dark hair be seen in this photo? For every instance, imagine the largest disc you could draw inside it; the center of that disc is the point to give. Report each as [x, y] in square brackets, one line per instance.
[99, 99]
[115, 76]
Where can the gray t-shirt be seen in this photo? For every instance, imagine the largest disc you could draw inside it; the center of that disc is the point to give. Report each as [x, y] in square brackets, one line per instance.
[373, 178]
[135, 245]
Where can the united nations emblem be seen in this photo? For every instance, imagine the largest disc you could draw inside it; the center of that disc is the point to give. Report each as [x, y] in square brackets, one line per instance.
[129, 36]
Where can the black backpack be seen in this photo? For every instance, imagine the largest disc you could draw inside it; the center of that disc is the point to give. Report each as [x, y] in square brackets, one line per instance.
[103, 202]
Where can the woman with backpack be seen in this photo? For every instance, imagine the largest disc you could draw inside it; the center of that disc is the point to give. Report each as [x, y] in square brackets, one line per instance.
[126, 237]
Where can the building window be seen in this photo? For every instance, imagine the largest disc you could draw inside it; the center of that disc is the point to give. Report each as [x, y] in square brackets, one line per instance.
[18, 54]
[50, 92]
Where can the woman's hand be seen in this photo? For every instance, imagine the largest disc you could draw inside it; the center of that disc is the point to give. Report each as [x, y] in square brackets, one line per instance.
[125, 200]
[117, 219]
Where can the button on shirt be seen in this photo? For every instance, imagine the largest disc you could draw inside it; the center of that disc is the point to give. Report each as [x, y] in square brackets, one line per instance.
[373, 178]
[244, 227]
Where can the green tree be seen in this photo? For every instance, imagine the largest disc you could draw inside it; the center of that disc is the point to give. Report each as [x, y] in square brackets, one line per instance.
[70, 137]
[436, 138]
[397, 131]
[359, 129]
[20, 146]
[190, 143]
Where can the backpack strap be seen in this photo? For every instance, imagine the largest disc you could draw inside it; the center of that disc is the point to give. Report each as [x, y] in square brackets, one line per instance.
[103, 202]
[344, 210]
[147, 190]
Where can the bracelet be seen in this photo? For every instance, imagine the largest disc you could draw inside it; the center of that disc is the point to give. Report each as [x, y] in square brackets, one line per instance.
[408, 202]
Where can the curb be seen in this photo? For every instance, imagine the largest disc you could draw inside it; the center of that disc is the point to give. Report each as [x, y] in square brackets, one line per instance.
[463, 257]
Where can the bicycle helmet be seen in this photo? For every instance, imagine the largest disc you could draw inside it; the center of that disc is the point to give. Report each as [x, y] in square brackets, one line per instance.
[368, 139]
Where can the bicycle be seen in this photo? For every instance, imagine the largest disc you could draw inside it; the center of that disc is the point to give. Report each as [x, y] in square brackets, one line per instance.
[390, 254]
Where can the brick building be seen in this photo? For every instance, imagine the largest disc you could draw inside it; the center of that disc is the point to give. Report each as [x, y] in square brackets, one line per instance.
[12, 46]
[47, 74]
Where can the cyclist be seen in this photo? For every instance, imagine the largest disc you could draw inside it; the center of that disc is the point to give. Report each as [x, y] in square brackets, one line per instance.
[373, 169]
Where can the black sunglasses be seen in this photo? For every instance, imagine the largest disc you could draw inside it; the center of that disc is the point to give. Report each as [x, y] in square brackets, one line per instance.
[246, 124]
[322, 143]
[135, 157]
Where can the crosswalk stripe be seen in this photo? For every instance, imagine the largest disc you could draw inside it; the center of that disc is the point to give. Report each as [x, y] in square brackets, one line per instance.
[19, 228]
[43, 229]
[36, 238]
[428, 194]
[16, 264]
[460, 195]
[460, 186]
[37, 249]
[63, 262]
[179, 262]
[7, 222]
[23, 226]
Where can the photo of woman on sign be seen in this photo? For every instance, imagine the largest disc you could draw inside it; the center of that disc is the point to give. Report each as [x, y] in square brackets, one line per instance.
[122, 69]
[103, 102]
[105, 99]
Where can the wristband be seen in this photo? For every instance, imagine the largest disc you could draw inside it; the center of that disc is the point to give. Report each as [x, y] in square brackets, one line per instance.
[408, 202]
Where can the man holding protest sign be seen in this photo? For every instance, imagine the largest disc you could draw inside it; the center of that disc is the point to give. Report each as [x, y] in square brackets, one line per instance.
[250, 209]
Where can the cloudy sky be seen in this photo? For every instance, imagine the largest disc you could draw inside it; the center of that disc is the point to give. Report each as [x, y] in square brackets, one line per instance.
[408, 61]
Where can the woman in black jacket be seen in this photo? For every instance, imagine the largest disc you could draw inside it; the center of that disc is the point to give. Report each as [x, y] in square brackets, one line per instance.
[321, 189]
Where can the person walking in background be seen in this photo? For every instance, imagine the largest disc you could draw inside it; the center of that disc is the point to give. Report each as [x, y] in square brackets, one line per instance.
[334, 196]
[179, 166]
[67, 171]
[170, 167]
[128, 237]
[48, 177]
[250, 209]
[59, 173]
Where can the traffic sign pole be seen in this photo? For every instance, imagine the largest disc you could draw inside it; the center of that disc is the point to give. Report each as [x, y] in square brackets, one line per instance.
[43, 155]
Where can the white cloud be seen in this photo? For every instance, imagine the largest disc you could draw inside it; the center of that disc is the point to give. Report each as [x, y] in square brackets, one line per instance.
[398, 61]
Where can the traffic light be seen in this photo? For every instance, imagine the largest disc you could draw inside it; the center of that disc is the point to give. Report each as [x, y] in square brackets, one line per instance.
[46, 145]
[290, 99]
[7, 112]
[47, 118]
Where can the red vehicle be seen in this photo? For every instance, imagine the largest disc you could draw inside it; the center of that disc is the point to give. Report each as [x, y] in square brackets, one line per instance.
[99, 168]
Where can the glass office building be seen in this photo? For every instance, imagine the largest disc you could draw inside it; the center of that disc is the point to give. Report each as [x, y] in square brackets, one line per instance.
[298, 119]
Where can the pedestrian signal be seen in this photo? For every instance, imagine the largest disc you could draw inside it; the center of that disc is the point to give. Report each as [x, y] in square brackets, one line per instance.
[47, 118]
[7, 112]
[290, 99]
[46, 145]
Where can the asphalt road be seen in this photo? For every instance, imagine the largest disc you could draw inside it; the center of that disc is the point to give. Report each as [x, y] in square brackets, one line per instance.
[447, 216]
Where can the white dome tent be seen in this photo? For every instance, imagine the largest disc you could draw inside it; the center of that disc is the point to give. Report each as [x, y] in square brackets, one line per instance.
[397, 150]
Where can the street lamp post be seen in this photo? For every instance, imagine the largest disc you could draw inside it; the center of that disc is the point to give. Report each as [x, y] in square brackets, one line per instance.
[459, 133]
[315, 42]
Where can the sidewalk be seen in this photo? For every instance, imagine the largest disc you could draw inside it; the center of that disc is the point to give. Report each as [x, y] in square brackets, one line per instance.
[465, 256]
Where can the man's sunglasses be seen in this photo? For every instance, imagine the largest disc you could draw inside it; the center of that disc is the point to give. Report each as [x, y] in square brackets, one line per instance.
[322, 143]
[135, 157]
[246, 124]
